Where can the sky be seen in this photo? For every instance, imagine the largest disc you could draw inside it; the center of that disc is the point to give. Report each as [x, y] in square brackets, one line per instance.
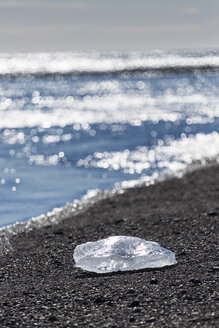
[107, 25]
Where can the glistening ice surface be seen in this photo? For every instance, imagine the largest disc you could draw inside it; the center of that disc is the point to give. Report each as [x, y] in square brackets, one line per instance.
[73, 122]
[121, 253]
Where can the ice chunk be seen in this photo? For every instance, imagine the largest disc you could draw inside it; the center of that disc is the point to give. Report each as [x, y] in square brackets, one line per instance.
[121, 253]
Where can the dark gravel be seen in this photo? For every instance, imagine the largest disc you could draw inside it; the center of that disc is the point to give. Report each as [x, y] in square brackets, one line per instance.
[40, 286]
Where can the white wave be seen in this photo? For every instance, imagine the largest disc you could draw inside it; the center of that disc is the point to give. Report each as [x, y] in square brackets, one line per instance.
[113, 108]
[30, 63]
[174, 156]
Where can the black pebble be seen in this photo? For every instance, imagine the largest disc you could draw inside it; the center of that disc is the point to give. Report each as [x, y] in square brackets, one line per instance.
[132, 319]
[132, 292]
[52, 318]
[212, 213]
[134, 304]
[99, 300]
[195, 281]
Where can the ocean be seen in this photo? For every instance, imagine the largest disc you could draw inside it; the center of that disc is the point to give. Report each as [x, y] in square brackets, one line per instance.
[73, 124]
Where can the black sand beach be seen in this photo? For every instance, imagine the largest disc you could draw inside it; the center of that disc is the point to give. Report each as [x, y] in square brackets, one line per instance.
[40, 286]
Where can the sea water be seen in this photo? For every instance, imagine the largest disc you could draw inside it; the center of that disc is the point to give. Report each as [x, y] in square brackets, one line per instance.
[74, 122]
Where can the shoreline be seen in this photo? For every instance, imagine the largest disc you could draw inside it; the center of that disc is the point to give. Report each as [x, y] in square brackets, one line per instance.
[39, 284]
[90, 198]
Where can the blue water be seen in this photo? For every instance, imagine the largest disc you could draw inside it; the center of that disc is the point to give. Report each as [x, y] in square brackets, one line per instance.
[61, 135]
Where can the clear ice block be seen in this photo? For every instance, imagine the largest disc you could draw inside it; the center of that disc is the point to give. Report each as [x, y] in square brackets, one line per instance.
[121, 253]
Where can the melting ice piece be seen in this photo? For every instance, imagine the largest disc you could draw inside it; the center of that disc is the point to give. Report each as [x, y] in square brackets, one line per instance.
[121, 253]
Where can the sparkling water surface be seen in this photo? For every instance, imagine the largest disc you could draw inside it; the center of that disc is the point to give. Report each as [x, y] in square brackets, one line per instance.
[63, 134]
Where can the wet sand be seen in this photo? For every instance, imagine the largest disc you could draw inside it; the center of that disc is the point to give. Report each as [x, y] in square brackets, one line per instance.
[40, 286]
